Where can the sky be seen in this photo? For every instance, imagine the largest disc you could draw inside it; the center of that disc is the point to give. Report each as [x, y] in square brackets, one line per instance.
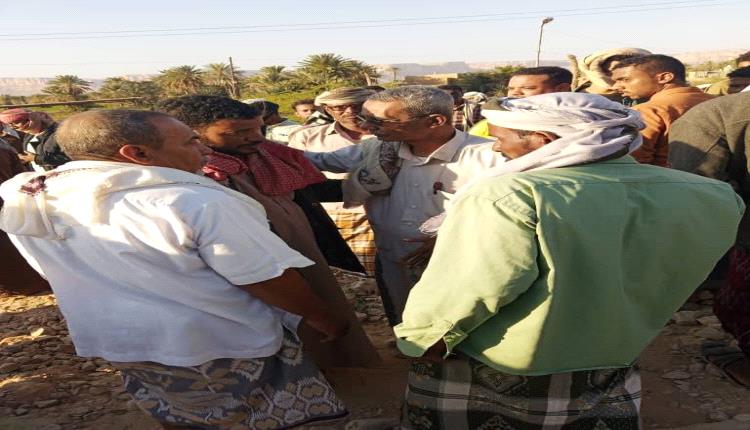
[97, 39]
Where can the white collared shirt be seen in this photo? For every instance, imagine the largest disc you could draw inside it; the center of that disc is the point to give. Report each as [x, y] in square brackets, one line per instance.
[155, 279]
[420, 190]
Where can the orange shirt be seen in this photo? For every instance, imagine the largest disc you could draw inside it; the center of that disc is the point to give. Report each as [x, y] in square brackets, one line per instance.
[659, 113]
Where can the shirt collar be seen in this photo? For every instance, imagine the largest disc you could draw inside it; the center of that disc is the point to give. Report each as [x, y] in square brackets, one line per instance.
[335, 128]
[446, 152]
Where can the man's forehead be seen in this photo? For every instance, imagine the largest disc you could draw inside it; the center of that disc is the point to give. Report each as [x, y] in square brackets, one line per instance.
[538, 78]
[235, 123]
[169, 124]
[392, 107]
[622, 71]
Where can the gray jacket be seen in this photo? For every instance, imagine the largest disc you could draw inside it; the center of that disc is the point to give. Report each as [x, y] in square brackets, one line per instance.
[713, 139]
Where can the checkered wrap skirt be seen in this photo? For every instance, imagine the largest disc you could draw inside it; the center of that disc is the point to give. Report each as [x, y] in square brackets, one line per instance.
[356, 231]
[462, 393]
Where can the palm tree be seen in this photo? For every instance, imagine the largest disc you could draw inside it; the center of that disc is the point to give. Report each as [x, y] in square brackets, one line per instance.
[222, 75]
[273, 79]
[362, 73]
[181, 80]
[113, 87]
[121, 88]
[325, 69]
[67, 88]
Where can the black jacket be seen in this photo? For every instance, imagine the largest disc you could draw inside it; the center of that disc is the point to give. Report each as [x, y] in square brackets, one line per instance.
[48, 153]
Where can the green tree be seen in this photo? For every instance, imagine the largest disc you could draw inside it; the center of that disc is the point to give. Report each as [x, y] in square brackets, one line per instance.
[121, 88]
[273, 80]
[181, 80]
[329, 70]
[324, 69]
[492, 83]
[67, 88]
[221, 75]
[361, 73]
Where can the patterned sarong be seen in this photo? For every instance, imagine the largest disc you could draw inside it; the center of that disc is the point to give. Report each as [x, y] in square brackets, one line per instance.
[356, 231]
[462, 393]
[278, 392]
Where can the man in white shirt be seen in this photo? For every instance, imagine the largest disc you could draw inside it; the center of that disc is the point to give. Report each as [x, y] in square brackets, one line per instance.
[174, 278]
[343, 104]
[427, 158]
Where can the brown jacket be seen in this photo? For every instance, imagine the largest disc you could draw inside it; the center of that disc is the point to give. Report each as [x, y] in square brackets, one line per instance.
[659, 113]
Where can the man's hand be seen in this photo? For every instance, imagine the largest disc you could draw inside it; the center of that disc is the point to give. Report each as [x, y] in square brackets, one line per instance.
[26, 157]
[291, 293]
[331, 325]
[435, 352]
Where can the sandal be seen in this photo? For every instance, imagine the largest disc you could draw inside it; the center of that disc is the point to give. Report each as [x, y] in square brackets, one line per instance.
[722, 356]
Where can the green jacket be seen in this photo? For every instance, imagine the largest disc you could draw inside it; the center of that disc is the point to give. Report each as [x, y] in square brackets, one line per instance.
[713, 140]
[568, 269]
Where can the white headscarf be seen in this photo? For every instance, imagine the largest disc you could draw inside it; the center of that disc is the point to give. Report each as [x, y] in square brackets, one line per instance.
[591, 70]
[591, 128]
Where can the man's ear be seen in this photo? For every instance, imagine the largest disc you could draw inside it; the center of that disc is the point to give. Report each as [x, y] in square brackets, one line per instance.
[544, 137]
[137, 154]
[664, 78]
[438, 120]
[563, 88]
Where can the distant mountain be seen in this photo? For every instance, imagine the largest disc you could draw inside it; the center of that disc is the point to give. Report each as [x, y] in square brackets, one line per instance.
[415, 69]
[705, 56]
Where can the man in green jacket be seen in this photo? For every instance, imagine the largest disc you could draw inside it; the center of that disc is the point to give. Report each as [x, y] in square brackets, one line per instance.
[550, 277]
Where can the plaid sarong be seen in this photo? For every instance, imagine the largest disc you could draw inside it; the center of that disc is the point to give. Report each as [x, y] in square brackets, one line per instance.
[278, 392]
[356, 231]
[463, 393]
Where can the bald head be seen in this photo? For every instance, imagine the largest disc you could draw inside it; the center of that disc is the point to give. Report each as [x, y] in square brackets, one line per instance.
[101, 133]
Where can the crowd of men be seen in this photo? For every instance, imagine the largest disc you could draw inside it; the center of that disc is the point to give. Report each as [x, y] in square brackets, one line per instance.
[526, 247]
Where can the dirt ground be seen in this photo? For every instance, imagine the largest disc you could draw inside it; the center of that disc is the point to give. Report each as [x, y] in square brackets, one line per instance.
[44, 386]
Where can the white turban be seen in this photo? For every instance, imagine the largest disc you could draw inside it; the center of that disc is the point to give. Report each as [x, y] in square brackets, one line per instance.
[343, 96]
[591, 68]
[591, 128]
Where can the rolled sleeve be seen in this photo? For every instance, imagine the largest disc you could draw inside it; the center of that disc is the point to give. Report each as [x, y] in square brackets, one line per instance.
[234, 239]
[340, 161]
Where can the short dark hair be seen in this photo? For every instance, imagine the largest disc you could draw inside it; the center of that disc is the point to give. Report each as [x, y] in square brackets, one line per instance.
[198, 111]
[742, 72]
[743, 57]
[656, 63]
[270, 108]
[451, 88]
[303, 102]
[605, 65]
[557, 75]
